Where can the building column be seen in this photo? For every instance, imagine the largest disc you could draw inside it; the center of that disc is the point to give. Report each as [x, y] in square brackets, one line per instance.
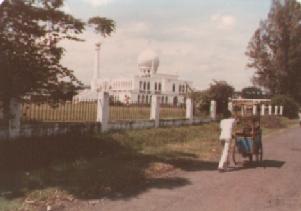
[96, 67]
[103, 110]
[242, 110]
[189, 109]
[262, 110]
[276, 110]
[270, 110]
[155, 110]
[281, 111]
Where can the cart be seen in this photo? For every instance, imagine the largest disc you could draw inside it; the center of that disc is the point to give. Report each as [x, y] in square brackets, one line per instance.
[247, 135]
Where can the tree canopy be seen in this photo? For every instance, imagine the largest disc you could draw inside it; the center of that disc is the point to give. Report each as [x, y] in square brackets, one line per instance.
[220, 91]
[30, 54]
[275, 50]
[252, 92]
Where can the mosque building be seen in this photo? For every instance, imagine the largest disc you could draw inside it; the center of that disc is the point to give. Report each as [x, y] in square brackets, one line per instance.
[141, 87]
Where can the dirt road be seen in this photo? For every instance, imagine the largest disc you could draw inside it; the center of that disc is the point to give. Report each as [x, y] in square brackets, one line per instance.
[274, 186]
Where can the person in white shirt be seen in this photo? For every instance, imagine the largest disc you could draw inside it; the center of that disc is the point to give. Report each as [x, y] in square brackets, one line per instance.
[226, 126]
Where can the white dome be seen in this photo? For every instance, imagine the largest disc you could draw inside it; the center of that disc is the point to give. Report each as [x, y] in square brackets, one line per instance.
[148, 61]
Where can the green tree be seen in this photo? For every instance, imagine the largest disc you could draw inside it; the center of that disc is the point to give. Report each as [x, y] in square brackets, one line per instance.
[220, 91]
[30, 54]
[275, 50]
[252, 93]
[290, 106]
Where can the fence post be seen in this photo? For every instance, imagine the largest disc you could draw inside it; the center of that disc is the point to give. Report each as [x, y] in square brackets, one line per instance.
[155, 110]
[189, 109]
[230, 107]
[103, 110]
[262, 110]
[15, 118]
[276, 110]
[281, 110]
[270, 110]
[213, 110]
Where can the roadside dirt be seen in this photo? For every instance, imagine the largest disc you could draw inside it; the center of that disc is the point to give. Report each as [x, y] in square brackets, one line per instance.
[274, 185]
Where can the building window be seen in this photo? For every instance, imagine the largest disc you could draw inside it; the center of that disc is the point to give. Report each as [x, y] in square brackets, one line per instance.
[141, 85]
[148, 86]
[173, 87]
[156, 86]
[162, 99]
[144, 86]
[146, 99]
[160, 86]
[166, 100]
[180, 88]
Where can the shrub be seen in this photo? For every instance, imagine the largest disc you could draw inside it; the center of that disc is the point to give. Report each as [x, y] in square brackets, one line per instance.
[291, 107]
[272, 122]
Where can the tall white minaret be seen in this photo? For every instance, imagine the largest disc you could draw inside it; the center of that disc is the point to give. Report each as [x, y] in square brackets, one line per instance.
[96, 67]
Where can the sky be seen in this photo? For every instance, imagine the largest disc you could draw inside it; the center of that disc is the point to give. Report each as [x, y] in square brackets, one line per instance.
[200, 40]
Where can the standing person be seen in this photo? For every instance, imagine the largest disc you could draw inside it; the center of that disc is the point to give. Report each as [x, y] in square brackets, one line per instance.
[226, 126]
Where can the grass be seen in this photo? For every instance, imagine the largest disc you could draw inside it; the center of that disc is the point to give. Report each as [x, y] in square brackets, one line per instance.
[120, 164]
[274, 123]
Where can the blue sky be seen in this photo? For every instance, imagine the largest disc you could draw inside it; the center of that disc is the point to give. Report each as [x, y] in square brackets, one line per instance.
[200, 40]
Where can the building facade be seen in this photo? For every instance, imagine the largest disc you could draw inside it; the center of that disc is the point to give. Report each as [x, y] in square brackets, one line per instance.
[141, 87]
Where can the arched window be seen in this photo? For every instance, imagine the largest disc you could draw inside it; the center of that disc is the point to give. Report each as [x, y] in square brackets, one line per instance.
[173, 87]
[160, 86]
[144, 86]
[148, 86]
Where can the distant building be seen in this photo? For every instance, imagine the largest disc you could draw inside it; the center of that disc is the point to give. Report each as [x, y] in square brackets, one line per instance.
[142, 87]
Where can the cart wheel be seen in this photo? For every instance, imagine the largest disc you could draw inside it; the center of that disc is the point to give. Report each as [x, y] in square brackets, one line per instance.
[236, 156]
[251, 158]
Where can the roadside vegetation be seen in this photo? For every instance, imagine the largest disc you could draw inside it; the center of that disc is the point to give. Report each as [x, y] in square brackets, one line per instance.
[120, 164]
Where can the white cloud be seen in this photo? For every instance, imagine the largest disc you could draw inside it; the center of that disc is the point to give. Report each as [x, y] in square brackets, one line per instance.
[97, 3]
[223, 21]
